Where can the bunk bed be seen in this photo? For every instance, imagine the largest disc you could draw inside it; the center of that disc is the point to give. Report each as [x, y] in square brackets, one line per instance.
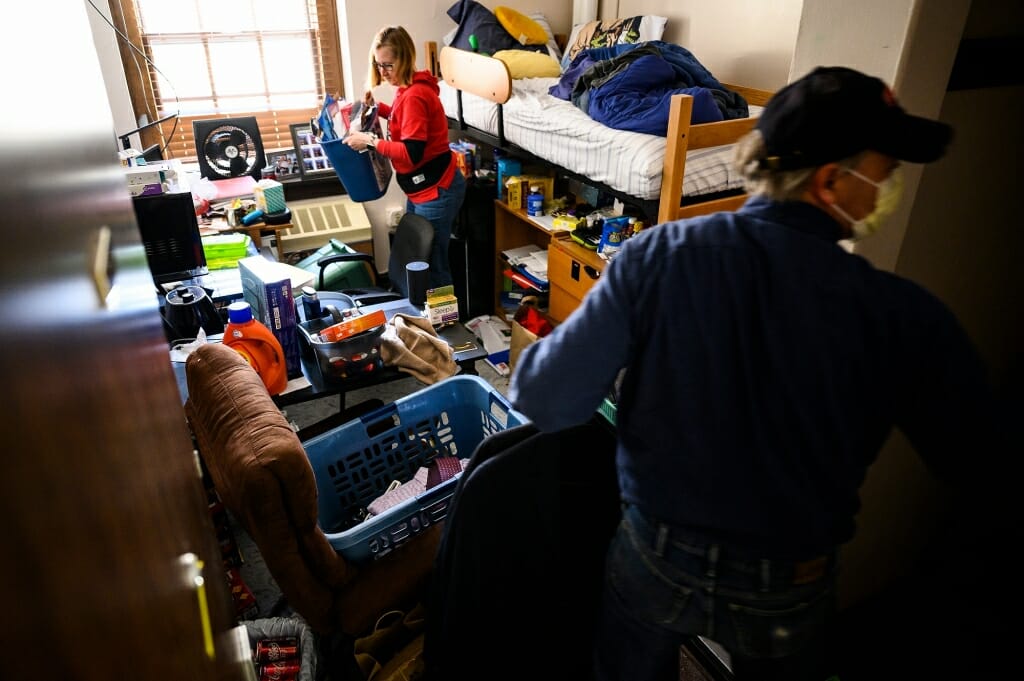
[686, 173]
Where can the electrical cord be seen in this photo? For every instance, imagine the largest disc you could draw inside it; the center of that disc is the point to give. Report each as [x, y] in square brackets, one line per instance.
[127, 40]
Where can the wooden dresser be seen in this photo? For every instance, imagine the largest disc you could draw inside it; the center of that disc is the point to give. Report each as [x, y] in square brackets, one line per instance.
[572, 271]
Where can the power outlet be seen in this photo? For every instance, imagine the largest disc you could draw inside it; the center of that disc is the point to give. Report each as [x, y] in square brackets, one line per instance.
[394, 215]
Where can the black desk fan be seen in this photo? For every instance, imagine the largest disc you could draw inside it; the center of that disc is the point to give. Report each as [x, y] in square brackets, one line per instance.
[229, 147]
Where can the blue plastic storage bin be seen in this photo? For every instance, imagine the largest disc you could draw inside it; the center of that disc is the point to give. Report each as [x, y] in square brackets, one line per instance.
[355, 462]
[356, 170]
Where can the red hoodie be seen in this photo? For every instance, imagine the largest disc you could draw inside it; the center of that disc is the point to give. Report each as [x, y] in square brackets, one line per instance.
[417, 114]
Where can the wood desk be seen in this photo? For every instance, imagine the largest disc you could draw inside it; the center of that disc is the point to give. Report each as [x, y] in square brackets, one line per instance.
[255, 231]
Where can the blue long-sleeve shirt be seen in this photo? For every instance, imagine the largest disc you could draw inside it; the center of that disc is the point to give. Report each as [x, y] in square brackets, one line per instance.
[765, 367]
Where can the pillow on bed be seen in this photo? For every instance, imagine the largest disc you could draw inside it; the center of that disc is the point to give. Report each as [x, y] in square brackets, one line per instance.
[610, 32]
[521, 27]
[553, 48]
[522, 64]
[475, 19]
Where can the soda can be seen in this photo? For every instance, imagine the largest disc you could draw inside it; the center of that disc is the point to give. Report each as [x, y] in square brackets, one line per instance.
[281, 670]
[273, 649]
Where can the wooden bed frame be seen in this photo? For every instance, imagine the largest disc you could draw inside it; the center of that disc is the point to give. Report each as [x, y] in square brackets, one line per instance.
[489, 78]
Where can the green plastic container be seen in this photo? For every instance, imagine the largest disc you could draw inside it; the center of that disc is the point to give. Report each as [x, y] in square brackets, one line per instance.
[340, 275]
[223, 251]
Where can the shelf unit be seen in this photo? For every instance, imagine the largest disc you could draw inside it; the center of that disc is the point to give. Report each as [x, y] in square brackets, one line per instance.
[572, 269]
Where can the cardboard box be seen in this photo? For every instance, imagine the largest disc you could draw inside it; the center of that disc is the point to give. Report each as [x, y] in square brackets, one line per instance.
[442, 305]
[268, 290]
[352, 326]
[515, 192]
[518, 188]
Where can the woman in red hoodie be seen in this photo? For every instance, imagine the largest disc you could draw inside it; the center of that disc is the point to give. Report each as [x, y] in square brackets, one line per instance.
[418, 141]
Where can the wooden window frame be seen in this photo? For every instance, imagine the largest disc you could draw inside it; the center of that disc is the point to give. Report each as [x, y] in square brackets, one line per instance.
[174, 136]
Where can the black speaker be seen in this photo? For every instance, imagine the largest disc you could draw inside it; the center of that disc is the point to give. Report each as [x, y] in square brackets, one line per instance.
[170, 234]
[471, 251]
[229, 147]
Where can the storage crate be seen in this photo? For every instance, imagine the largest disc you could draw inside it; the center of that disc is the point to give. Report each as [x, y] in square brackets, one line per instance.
[355, 463]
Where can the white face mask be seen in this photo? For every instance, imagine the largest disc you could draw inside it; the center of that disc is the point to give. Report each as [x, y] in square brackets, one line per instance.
[890, 190]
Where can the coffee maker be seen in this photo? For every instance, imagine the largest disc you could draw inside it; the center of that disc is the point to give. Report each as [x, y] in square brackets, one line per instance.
[188, 308]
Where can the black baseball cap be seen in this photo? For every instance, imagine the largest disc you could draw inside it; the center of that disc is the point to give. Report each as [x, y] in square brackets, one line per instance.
[835, 112]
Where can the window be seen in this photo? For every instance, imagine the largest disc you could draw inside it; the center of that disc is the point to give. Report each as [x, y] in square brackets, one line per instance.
[272, 59]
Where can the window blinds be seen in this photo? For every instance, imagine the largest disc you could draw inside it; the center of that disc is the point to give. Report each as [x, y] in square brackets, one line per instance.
[272, 59]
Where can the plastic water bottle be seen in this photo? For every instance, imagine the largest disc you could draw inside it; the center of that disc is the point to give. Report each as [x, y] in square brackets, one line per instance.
[535, 201]
[258, 345]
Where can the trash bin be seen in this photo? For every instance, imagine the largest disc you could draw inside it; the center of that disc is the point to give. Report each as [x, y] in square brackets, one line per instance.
[282, 627]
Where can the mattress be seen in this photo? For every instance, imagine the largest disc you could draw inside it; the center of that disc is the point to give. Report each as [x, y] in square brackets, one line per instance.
[555, 130]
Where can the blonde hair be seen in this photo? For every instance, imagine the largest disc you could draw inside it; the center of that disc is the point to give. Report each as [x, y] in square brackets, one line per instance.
[397, 39]
[779, 185]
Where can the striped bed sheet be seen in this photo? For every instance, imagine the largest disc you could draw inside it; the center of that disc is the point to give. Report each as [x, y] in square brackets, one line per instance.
[557, 131]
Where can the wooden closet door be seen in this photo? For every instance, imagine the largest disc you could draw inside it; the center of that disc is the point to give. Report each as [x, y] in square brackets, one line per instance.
[100, 494]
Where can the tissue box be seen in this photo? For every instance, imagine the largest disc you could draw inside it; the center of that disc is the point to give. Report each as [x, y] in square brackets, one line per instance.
[269, 196]
[442, 305]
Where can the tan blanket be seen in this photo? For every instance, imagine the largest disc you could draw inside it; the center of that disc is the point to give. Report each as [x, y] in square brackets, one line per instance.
[411, 344]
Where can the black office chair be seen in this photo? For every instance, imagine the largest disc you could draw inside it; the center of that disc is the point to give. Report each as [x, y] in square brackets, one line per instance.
[413, 240]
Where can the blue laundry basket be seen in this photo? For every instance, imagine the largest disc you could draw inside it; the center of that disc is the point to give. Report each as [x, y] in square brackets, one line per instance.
[354, 463]
[366, 175]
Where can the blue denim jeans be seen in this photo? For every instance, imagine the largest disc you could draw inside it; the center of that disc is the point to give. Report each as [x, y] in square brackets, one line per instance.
[664, 586]
[441, 212]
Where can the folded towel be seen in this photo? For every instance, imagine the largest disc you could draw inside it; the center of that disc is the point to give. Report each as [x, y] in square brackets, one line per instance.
[411, 344]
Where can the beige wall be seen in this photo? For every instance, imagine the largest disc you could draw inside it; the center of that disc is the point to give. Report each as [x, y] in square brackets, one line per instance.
[744, 42]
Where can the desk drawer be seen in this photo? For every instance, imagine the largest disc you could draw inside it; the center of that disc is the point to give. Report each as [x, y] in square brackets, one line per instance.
[571, 275]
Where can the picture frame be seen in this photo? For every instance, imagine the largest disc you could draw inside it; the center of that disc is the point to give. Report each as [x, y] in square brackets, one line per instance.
[285, 164]
[313, 162]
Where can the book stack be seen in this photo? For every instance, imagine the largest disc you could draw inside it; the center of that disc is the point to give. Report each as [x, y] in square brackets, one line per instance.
[525, 275]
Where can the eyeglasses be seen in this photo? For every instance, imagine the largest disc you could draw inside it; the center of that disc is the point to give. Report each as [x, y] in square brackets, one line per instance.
[384, 67]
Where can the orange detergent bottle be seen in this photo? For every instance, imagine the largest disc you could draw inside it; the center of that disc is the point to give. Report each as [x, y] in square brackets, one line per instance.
[258, 345]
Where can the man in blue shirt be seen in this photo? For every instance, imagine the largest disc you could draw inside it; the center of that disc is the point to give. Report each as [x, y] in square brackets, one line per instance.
[764, 368]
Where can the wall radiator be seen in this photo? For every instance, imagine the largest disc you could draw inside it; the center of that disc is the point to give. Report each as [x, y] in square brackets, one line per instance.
[317, 221]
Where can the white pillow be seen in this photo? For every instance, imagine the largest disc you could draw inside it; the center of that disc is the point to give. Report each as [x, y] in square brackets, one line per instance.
[610, 32]
[552, 45]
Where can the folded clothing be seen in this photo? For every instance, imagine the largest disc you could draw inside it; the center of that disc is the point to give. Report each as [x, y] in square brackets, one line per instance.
[440, 469]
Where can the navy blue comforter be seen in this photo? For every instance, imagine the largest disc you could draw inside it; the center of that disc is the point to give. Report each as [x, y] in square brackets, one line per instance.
[629, 87]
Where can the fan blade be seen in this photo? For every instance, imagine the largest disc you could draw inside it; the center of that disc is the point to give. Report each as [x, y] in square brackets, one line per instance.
[238, 137]
[213, 149]
[239, 166]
